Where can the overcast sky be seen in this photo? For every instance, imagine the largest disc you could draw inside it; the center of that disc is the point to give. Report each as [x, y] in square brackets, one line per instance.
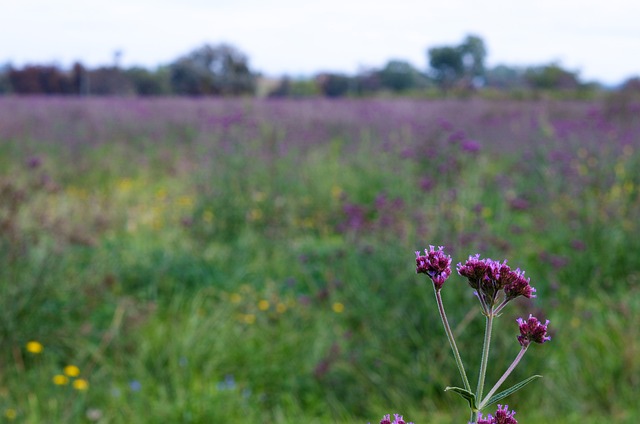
[599, 39]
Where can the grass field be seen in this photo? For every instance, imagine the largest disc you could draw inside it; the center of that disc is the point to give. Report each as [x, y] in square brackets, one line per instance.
[198, 260]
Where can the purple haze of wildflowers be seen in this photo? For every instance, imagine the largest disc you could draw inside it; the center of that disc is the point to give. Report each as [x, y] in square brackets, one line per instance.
[398, 419]
[532, 330]
[503, 416]
[435, 264]
[470, 146]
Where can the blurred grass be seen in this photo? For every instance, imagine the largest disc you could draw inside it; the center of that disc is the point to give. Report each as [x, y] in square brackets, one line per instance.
[255, 272]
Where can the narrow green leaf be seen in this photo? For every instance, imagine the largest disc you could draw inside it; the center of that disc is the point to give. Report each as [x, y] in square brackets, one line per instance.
[470, 397]
[499, 396]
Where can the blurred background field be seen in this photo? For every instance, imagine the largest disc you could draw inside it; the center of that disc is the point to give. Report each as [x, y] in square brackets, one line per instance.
[247, 260]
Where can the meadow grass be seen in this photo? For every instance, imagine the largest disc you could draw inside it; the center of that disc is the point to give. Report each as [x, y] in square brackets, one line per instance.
[203, 260]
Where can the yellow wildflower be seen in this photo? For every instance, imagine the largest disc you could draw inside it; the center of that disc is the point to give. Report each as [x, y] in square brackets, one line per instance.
[249, 318]
[336, 192]
[263, 305]
[60, 380]
[338, 307]
[207, 216]
[72, 371]
[34, 347]
[11, 414]
[80, 384]
[255, 215]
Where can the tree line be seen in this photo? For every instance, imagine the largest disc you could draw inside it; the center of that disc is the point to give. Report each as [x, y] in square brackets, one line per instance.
[223, 70]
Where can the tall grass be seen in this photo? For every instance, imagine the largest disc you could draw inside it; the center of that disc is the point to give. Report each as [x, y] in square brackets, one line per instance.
[204, 260]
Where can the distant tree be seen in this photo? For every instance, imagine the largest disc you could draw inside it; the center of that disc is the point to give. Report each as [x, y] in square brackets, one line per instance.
[505, 77]
[551, 77]
[5, 85]
[459, 65]
[399, 75]
[624, 103]
[304, 87]
[333, 85]
[446, 65]
[282, 88]
[148, 83]
[631, 85]
[295, 87]
[39, 79]
[109, 81]
[367, 81]
[79, 78]
[212, 70]
[473, 53]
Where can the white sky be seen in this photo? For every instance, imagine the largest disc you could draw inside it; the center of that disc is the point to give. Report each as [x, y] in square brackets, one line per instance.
[599, 39]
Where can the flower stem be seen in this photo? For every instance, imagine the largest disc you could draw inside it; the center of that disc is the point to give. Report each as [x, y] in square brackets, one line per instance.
[452, 341]
[501, 306]
[485, 355]
[504, 376]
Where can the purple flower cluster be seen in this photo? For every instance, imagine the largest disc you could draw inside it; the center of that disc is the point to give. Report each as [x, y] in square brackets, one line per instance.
[532, 330]
[435, 264]
[397, 419]
[503, 416]
[489, 277]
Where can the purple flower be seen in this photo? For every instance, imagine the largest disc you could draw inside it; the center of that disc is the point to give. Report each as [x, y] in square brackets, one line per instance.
[503, 416]
[426, 184]
[435, 264]
[457, 136]
[532, 330]
[516, 285]
[397, 419]
[34, 162]
[475, 269]
[488, 277]
[470, 146]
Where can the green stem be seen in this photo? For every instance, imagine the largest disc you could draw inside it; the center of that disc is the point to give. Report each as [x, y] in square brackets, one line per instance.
[452, 341]
[501, 306]
[504, 376]
[485, 355]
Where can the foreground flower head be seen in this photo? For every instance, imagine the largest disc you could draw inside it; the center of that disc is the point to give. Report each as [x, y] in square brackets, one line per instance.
[435, 264]
[516, 285]
[489, 277]
[503, 416]
[532, 330]
[475, 270]
[397, 419]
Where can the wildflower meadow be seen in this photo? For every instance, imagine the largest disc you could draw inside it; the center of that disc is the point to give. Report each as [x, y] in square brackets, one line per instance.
[249, 260]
